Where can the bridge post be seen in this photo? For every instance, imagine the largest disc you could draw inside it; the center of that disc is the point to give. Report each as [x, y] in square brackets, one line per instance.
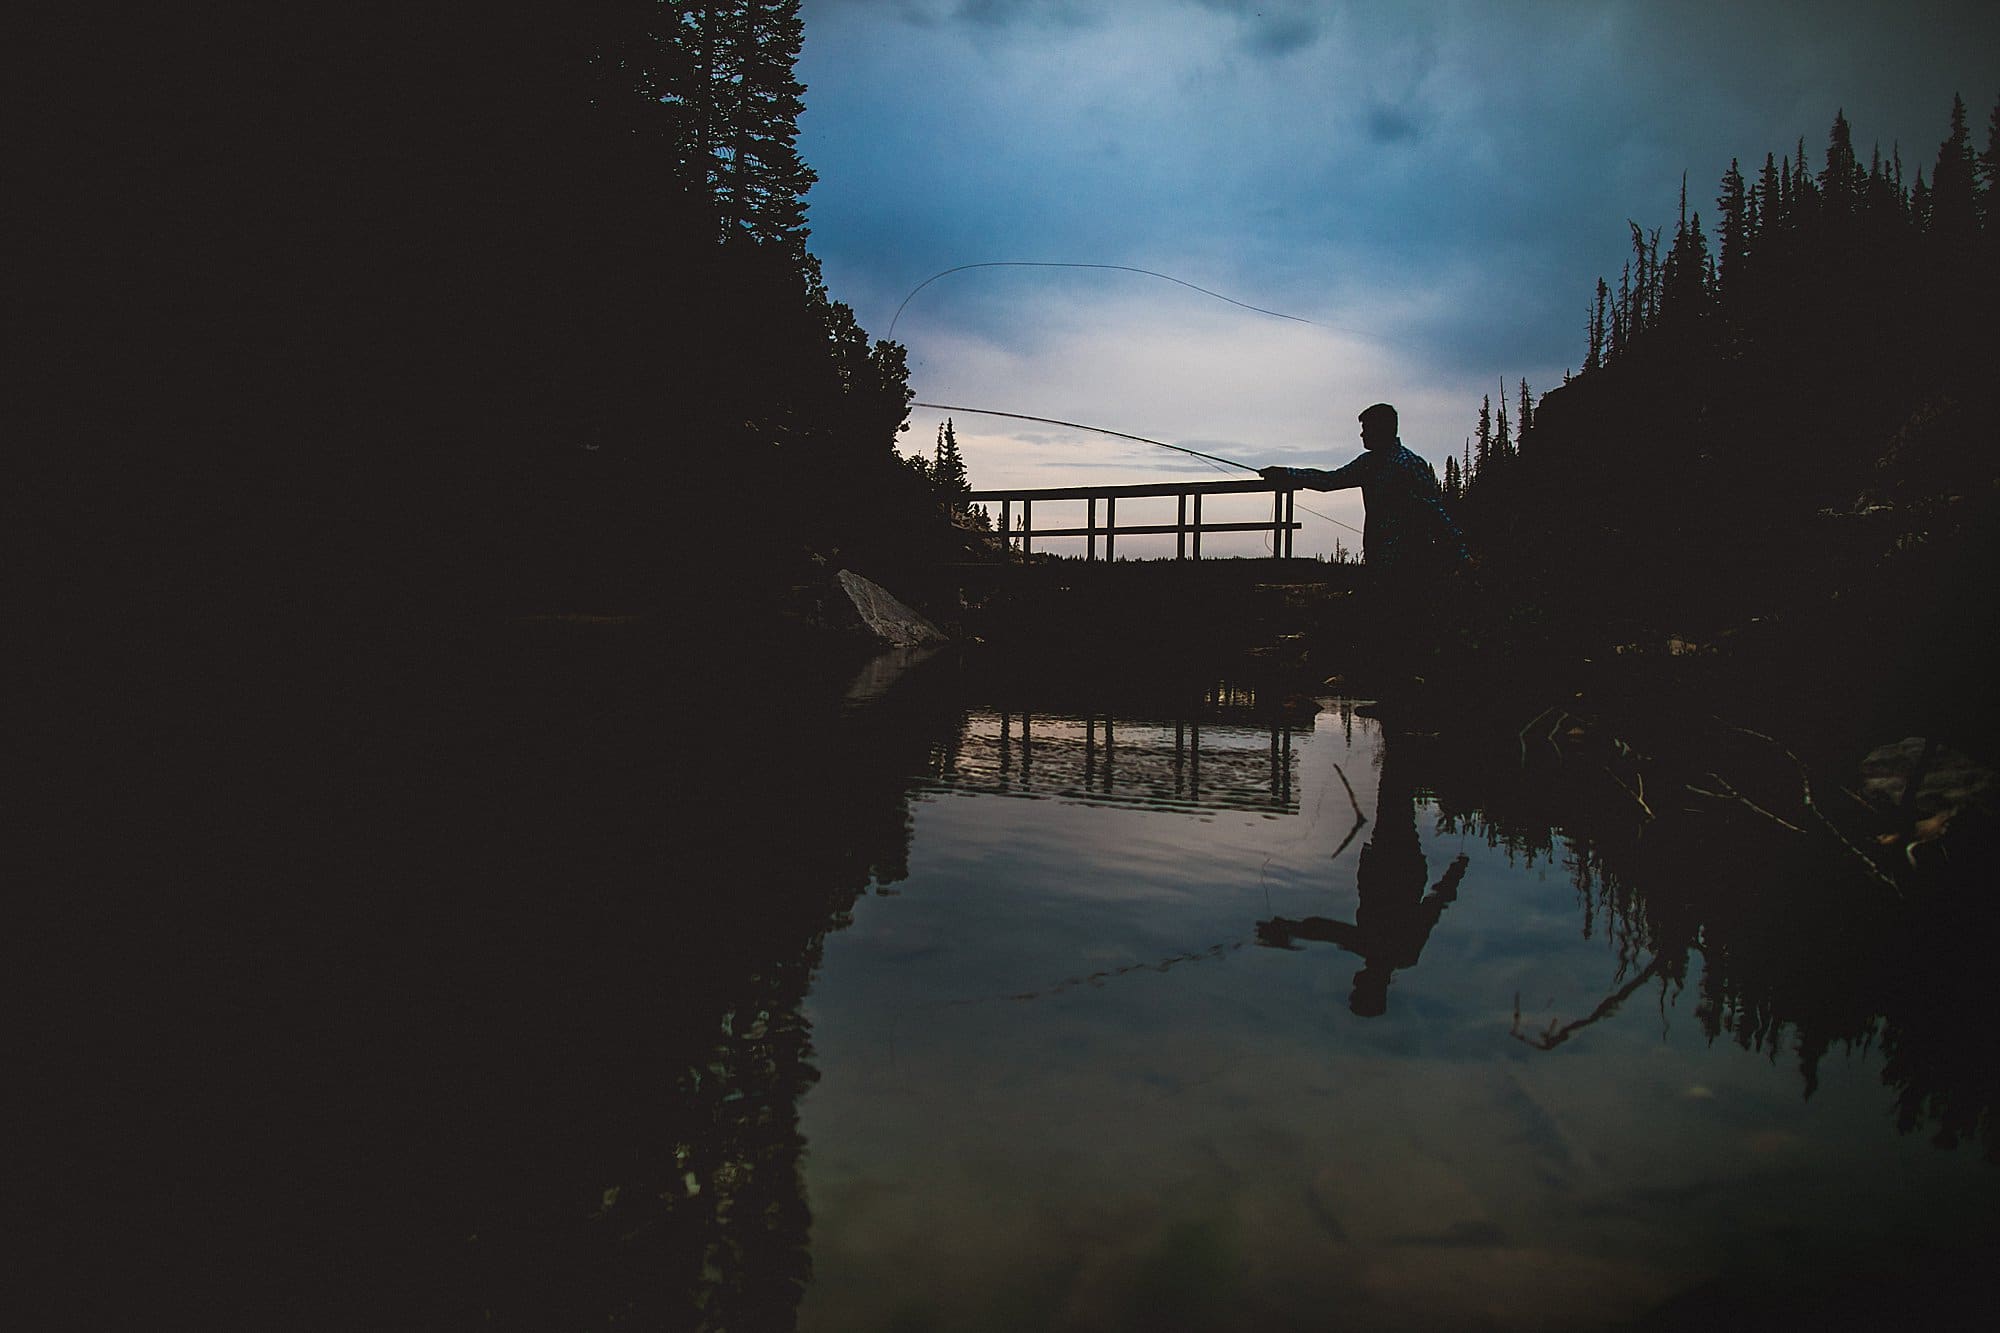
[1291, 498]
[1197, 525]
[1027, 526]
[1180, 530]
[1090, 529]
[1006, 524]
[1110, 536]
[1006, 757]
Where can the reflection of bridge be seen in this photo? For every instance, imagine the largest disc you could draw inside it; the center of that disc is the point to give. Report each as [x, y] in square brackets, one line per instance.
[1100, 760]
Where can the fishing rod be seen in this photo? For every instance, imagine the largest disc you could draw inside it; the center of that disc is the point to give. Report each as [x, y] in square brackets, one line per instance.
[1141, 439]
[1078, 425]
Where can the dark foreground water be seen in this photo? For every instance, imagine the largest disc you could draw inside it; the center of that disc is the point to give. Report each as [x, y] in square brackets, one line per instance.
[564, 995]
[1234, 1026]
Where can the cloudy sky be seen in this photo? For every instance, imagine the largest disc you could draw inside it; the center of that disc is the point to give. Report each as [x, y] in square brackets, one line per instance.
[1434, 187]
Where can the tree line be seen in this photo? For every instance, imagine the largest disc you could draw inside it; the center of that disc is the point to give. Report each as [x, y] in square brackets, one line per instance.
[1771, 409]
[495, 305]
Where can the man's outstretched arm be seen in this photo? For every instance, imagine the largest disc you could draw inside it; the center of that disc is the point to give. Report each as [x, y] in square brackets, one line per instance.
[1319, 479]
[1279, 932]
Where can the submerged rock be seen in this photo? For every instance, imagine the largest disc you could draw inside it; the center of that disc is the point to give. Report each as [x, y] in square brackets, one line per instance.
[1933, 789]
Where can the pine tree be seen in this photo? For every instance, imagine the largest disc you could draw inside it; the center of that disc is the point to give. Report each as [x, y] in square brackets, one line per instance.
[1684, 284]
[1733, 231]
[770, 179]
[1621, 314]
[1763, 239]
[1594, 357]
[724, 78]
[1652, 276]
[1884, 211]
[1646, 282]
[947, 470]
[1482, 453]
[1840, 182]
[1639, 318]
[1805, 195]
[1989, 186]
[1954, 218]
[1989, 168]
[1451, 479]
[1526, 417]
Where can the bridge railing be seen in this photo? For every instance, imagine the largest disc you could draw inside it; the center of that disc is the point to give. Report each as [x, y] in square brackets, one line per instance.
[1187, 527]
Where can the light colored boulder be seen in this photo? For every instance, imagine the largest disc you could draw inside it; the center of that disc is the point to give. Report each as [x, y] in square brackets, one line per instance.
[882, 616]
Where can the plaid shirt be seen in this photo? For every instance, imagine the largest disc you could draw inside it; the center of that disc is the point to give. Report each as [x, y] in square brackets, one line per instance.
[1406, 520]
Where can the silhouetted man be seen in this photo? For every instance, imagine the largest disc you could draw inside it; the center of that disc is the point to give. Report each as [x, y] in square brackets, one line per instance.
[1407, 536]
[1395, 916]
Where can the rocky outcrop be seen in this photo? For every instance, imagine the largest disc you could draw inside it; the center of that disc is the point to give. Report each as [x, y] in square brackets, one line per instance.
[862, 607]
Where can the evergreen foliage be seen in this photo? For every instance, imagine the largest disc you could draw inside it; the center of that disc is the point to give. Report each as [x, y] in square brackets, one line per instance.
[1779, 422]
[945, 471]
[548, 261]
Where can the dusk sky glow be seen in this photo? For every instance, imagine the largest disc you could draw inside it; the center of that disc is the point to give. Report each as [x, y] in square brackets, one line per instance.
[1435, 186]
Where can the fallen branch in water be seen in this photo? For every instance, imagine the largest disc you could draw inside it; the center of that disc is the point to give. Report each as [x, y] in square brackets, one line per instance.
[1729, 793]
[1554, 1036]
[1806, 795]
[1549, 735]
[1638, 796]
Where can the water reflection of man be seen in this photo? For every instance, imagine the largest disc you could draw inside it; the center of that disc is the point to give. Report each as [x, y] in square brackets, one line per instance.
[1395, 916]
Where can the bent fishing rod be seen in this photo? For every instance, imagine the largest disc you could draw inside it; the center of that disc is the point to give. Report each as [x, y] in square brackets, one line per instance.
[1078, 425]
[1140, 439]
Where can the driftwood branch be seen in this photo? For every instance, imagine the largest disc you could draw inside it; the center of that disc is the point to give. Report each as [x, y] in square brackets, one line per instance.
[1549, 735]
[1806, 796]
[1555, 1035]
[1638, 796]
[1729, 793]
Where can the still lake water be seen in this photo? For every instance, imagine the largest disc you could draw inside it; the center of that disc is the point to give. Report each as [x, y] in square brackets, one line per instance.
[556, 991]
[1204, 1021]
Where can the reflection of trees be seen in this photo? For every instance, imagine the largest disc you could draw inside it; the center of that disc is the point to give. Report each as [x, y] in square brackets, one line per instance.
[1801, 950]
[711, 1227]
[642, 1165]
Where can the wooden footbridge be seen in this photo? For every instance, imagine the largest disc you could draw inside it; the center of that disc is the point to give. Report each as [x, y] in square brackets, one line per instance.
[1187, 527]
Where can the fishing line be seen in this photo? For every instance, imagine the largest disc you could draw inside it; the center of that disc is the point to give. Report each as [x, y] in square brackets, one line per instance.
[1141, 439]
[1117, 268]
